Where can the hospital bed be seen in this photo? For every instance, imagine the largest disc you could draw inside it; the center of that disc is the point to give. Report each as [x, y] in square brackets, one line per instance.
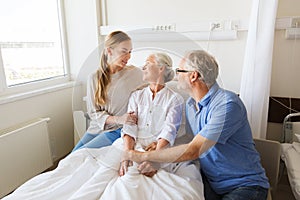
[291, 151]
[79, 176]
[79, 169]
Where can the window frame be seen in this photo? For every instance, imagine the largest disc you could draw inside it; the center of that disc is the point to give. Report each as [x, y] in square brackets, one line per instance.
[46, 83]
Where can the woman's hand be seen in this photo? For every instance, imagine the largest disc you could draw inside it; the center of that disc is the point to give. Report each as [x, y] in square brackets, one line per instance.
[151, 147]
[124, 167]
[128, 118]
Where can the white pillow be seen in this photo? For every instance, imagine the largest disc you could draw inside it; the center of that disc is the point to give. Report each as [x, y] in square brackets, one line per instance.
[296, 146]
[296, 137]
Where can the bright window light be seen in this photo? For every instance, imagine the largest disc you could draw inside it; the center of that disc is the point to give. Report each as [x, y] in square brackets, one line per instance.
[30, 41]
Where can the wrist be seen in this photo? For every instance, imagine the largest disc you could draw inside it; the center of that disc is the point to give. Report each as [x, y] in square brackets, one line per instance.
[145, 156]
[116, 118]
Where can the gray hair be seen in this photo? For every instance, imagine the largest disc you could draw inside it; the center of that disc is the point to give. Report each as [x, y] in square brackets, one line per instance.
[204, 64]
[164, 60]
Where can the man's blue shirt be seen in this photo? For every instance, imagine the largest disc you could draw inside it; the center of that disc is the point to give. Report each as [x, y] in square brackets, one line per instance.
[233, 161]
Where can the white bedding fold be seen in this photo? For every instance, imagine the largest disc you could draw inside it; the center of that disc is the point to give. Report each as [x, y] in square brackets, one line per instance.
[93, 174]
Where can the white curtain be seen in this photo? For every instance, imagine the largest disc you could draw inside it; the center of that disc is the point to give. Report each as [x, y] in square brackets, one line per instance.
[256, 75]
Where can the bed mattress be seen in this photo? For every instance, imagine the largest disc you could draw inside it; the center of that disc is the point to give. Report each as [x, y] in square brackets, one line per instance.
[291, 156]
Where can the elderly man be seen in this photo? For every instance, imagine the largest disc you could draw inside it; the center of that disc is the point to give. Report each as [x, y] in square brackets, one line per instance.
[223, 142]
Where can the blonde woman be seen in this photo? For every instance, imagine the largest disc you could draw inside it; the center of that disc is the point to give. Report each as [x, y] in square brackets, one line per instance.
[108, 91]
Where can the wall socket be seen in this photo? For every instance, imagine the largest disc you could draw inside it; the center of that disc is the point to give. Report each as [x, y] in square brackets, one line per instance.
[296, 22]
[216, 26]
[164, 27]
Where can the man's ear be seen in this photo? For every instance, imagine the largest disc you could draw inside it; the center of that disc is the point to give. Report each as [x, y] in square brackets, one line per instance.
[194, 76]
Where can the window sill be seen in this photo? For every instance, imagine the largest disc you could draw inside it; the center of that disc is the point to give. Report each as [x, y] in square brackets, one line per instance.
[23, 95]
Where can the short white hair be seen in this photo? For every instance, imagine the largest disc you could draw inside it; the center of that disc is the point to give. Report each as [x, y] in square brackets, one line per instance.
[164, 60]
[204, 64]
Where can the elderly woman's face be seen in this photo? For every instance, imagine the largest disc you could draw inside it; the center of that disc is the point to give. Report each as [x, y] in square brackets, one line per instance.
[151, 70]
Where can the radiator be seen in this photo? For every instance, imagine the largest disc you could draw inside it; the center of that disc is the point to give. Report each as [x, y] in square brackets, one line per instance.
[24, 152]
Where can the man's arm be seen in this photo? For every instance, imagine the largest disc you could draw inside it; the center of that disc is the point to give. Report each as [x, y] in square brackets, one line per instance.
[179, 153]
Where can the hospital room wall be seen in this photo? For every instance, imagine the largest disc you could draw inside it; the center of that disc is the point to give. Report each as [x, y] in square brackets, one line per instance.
[56, 105]
[230, 54]
[137, 12]
[285, 79]
[83, 17]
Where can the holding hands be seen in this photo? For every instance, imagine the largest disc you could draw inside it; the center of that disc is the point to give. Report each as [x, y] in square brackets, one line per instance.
[128, 118]
[145, 167]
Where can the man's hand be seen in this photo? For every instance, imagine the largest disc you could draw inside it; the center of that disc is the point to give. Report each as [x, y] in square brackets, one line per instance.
[146, 168]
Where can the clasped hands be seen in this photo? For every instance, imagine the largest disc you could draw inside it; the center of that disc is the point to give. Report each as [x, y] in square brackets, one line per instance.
[129, 118]
[146, 168]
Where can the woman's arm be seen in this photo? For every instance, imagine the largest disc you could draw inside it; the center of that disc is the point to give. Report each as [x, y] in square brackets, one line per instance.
[128, 145]
[96, 113]
[99, 114]
[172, 120]
[129, 118]
[162, 143]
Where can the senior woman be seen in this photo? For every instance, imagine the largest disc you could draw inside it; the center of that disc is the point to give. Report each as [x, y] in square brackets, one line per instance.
[158, 108]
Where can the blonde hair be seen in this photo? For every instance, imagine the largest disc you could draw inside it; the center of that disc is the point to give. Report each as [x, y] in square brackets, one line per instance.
[103, 73]
[164, 60]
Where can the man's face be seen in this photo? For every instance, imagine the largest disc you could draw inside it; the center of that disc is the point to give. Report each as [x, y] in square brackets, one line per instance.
[183, 77]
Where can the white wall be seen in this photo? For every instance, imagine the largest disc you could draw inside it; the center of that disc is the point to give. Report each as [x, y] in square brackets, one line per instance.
[137, 12]
[285, 79]
[230, 54]
[82, 35]
[55, 105]
[156, 11]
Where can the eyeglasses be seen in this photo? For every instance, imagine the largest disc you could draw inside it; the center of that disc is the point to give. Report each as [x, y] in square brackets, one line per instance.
[177, 70]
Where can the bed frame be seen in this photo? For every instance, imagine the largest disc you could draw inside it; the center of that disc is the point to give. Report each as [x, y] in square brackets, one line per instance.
[291, 151]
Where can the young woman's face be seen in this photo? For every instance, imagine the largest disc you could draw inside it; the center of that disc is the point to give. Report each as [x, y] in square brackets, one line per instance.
[119, 56]
[151, 70]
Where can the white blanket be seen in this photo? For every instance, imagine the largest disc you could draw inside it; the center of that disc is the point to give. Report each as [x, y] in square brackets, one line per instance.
[93, 174]
[291, 157]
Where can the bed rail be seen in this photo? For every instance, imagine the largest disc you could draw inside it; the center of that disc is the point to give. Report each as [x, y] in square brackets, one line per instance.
[287, 135]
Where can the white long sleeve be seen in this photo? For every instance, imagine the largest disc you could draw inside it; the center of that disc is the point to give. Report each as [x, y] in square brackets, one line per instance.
[158, 118]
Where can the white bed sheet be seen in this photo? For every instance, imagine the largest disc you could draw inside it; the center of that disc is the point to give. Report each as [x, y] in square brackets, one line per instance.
[90, 174]
[291, 157]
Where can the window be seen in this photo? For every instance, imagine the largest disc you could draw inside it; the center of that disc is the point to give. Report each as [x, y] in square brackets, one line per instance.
[31, 46]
